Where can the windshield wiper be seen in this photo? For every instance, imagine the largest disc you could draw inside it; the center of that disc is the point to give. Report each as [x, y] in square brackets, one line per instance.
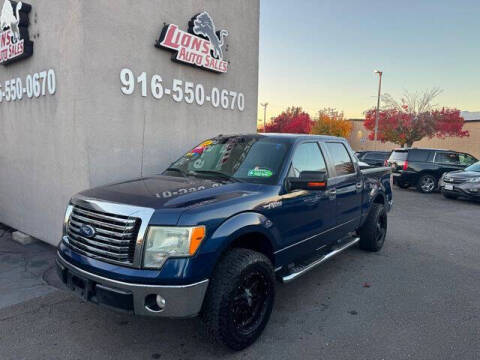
[219, 174]
[183, 173]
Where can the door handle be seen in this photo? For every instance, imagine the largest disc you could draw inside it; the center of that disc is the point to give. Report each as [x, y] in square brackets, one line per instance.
[332, 194]
[359, 185]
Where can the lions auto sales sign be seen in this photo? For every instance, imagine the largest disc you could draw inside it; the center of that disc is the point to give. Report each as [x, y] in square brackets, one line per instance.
[201, 45]
[15, 42]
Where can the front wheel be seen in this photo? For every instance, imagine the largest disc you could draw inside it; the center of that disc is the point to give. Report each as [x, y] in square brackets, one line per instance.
[374, 230]
[240, 298]
[427, 184]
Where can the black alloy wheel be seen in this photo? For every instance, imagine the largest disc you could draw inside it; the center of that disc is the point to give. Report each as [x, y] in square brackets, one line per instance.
[374, 231]
[240, 298]
[381, 229]
[250, 302]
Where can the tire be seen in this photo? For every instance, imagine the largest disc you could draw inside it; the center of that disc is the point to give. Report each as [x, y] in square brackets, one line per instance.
[403, 185]
[239, 299]
[374, 230]
[427, 184]
[449, 196]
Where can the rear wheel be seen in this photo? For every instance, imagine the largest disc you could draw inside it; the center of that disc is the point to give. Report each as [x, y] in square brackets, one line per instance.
[374, 230]
[403, 185]
[427, 183]
[240, 298]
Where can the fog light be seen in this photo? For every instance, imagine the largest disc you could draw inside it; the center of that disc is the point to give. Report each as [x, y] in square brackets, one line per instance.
[155, 303]
[160, 302]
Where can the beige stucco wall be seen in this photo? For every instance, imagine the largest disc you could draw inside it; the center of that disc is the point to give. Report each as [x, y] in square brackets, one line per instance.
[359, 140]
[88, 133]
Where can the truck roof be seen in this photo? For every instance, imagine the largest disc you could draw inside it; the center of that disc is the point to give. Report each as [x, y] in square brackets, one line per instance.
[416, 148]
[285, 137]
[295, 137]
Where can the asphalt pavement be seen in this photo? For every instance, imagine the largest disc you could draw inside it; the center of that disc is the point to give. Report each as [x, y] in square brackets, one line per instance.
[419, 298]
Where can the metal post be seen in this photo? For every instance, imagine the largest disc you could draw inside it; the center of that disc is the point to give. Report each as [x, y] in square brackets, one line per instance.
[378, 105]
[264, 116]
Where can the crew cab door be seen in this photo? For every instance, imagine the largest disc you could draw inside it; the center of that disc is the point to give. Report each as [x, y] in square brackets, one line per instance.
[347, 183]
[305, 215]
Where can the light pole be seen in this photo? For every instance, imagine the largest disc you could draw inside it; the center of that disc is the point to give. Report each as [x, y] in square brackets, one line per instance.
[264, 115]
[380, 73]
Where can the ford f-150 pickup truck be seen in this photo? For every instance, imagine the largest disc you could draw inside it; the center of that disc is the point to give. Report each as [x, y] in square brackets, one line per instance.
[211, 235]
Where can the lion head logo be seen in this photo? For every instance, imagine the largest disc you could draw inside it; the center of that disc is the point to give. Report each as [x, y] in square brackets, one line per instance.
[10, 20]
[203, 25]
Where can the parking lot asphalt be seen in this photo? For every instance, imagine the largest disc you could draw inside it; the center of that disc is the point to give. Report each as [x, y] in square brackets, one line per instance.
[23, 270]
[419, 298]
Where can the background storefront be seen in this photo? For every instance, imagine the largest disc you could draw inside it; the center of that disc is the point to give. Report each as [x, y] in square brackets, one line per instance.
[114, 106]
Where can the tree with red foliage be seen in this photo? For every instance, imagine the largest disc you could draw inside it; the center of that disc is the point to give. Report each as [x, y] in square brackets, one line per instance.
[413, 119]
[293, 120]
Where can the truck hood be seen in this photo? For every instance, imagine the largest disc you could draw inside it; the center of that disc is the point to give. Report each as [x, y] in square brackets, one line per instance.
[170, 196]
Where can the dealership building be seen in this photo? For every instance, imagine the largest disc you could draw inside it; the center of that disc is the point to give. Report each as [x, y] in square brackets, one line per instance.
[94, 92]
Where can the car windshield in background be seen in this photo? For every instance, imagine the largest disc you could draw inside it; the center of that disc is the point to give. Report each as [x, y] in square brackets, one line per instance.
[254, 158]
[474, 167]
[399, 155]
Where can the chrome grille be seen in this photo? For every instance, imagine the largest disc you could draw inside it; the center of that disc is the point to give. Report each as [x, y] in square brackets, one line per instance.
[454, 180]
[114, 239]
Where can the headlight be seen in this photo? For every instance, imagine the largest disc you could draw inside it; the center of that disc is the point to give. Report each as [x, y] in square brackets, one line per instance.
[474, 180]
[68, 212]
[164, 242]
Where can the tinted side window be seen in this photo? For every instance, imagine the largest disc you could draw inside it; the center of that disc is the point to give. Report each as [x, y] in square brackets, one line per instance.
[447, 158]
[466, 159]
[341, 158]
[307, 157]
[418, 155]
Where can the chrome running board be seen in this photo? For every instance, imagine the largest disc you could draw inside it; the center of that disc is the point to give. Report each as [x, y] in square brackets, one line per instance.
[299, 270]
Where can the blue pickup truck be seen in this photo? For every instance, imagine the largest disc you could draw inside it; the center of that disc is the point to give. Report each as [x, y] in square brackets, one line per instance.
[211, 235]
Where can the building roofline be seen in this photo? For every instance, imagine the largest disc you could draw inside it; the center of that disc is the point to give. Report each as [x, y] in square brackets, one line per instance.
[468, 121]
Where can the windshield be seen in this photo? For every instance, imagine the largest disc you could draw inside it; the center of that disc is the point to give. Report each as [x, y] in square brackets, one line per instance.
[253, 158]
[474, 167]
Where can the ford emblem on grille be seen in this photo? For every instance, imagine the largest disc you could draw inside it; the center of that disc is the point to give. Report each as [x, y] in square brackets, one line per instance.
[88, 231]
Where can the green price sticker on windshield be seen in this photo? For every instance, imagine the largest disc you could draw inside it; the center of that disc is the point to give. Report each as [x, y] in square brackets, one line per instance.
[260, 172]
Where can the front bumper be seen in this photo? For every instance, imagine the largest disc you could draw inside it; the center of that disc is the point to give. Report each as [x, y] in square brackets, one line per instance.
[181, 301]
[467, 189]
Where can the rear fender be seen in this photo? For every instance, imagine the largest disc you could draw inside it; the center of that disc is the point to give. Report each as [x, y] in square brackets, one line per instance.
[377, 190]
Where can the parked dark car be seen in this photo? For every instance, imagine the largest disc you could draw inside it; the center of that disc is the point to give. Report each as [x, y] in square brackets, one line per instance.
[212, 233]
[460, 183]
[423, 168]
[374, 158]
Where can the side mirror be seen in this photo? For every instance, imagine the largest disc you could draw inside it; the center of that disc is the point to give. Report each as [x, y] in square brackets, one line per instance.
[308, 180]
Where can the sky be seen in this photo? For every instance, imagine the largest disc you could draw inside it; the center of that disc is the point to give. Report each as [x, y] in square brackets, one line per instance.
[323, 53]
